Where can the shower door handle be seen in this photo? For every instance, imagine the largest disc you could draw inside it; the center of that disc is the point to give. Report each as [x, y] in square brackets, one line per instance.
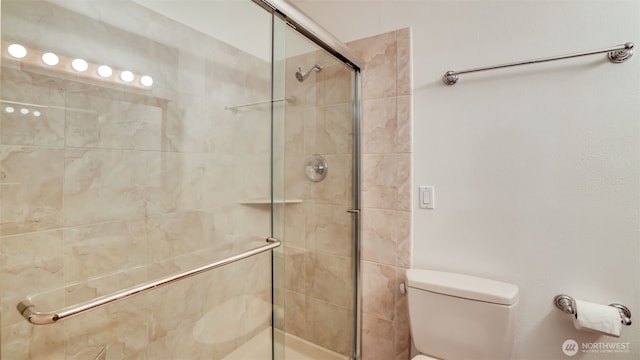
[29, 311]
[353, 211]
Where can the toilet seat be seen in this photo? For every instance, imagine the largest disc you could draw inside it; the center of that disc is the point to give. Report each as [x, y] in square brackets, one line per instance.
[424, 357]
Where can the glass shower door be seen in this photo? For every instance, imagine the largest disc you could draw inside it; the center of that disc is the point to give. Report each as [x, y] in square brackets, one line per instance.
[135, 143]
[319, 272]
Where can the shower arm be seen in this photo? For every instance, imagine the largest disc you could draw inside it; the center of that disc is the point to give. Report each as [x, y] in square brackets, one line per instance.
[302, 77]
[29, 311]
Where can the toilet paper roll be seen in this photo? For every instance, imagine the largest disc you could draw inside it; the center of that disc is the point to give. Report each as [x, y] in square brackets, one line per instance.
[599, 318]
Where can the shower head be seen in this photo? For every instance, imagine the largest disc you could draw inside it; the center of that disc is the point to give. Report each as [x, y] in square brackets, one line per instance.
[301, 77]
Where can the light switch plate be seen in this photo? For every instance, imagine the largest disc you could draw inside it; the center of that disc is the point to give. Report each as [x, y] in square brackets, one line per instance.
[426, 195]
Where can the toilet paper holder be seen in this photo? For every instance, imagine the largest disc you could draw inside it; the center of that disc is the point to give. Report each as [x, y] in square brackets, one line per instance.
[567, 305]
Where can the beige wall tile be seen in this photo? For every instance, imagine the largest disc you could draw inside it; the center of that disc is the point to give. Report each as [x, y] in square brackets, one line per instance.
[378, 290]
[219, 189]
[294, 269]
[328, 229]
[404, 124]
[327, 276]
[122, 325]
[379, 126]
[101, 249]
[332, 326]
[111, 124]
[335, 84]
[296, 183]
[45, 129]
[31, 189]
[295, 315]
[112, 181]
[308, 93]
[179, 342]
[176, 182]
[379, 181]
[295, 215]
[178, 234]
[386, 184]
[379, 236]
[191, 66]
[404, 61]
[333, 189]
[401, 319]
[380, 55]
[377, 338]
[403, 248]
[19, 277]
[330, 131]
[25, 341]
[183, 128]
[258, 280]
[226, 284]
[404, 182]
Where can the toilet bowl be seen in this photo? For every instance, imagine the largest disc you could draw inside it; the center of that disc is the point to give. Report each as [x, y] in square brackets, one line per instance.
[460, 317]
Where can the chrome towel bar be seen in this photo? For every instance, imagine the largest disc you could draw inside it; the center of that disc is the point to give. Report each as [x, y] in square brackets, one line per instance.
[568, 305]
[617, 54]
[29, 311]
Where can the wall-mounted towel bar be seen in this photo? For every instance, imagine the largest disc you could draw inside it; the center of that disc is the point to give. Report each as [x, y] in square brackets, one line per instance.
[617, 54]
[568, 305]
[29, 311]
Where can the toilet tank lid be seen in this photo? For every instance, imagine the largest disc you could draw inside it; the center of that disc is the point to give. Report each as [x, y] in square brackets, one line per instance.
[464, 286]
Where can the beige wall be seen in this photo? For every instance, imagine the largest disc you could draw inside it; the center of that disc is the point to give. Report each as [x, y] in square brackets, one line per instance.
[386, 192]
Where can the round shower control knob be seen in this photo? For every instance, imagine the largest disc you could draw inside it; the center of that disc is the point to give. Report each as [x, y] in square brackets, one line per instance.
[316, 168]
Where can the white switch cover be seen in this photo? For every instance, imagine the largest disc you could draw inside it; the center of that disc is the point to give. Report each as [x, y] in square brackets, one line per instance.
[426, 197]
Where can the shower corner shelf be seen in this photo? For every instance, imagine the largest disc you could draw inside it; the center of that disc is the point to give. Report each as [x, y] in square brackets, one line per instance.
[267, 201]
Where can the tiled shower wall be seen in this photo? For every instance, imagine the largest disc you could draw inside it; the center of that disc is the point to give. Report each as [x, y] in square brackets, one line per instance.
[111, 186]
[386, 192]
[318, 254]
[318, 281]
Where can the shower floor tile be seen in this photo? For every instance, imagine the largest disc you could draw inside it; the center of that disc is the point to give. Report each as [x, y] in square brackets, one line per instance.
[259, 348]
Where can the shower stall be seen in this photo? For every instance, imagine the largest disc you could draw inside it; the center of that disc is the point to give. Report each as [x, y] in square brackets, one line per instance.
[178, 180]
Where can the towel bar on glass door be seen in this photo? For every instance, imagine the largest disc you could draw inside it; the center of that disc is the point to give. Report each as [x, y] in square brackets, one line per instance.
[29, 311]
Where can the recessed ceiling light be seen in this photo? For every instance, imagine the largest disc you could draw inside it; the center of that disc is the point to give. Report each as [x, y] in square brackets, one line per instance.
[36, 113]
[24, 111]
[9, 109]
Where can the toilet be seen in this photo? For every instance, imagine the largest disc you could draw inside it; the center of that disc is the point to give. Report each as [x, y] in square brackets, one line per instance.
[460, 317]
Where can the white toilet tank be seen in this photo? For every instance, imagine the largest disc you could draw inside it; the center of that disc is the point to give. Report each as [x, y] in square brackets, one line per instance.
[461, 317]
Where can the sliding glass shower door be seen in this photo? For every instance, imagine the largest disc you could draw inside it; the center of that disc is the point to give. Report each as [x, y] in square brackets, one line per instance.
[318, 264]
[135, 142]
[142, 141]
